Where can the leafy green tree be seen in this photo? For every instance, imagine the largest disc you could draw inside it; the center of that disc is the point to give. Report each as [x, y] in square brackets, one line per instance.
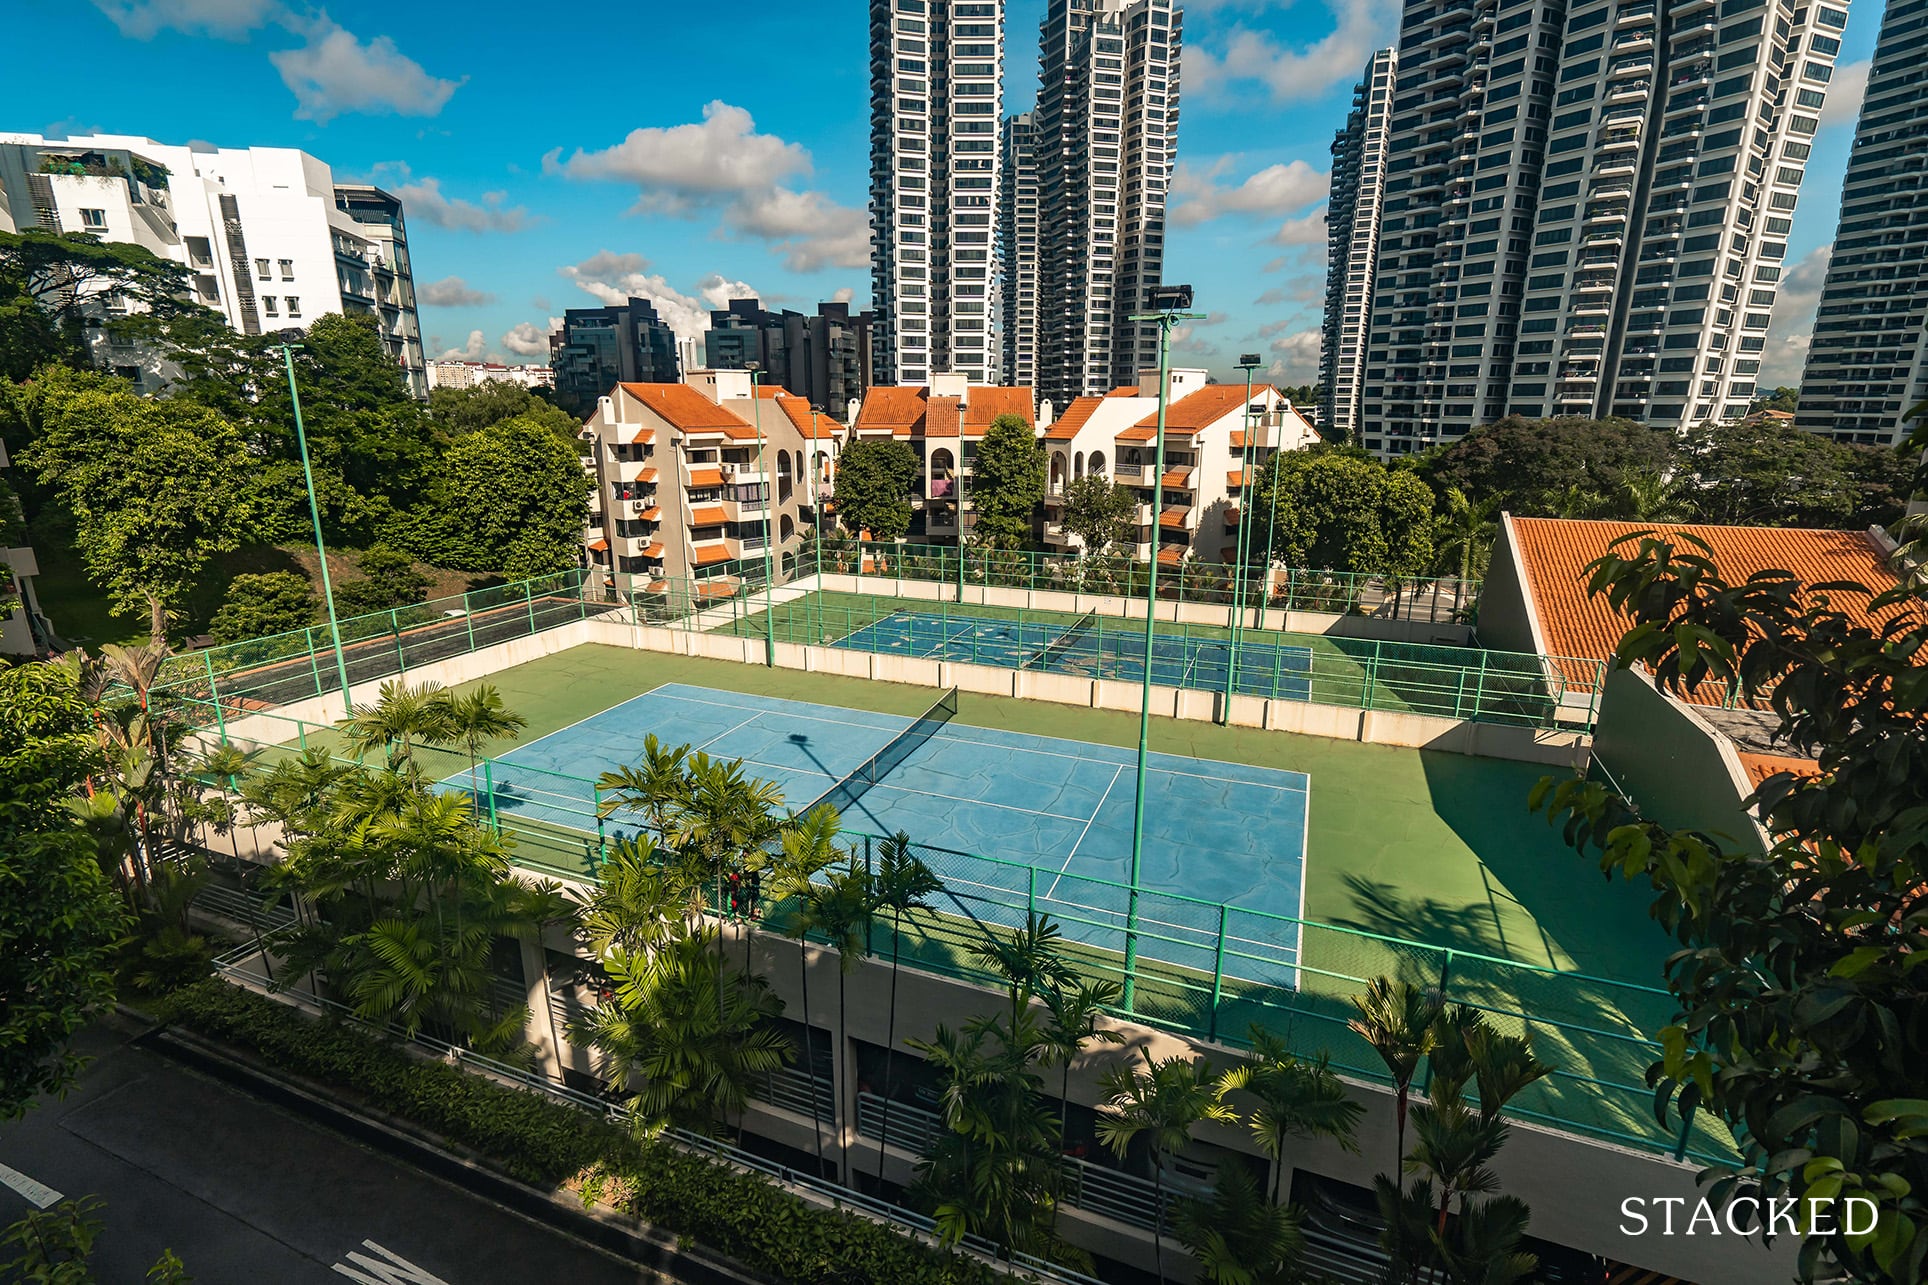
[1238, 1236]
[30, 338]
[479, 717]
[258, 605]
[1781, 398]
[1766, 474]
[59, 917]
[1798, 979]
[402, 717]
[64, 272]
[1295, 1099]
[874, 481]
[1007, 483]
[510, 497]
[389, 578]
[1529, 464]
[53, 1246]
[157, 489]
[1343, 511]
[1099, 511]
[1159, 1105]
[464, 410]
[1396, 1018]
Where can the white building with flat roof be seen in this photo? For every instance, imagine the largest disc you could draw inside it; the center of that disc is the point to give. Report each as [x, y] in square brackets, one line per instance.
[270, 238]
[473, 374]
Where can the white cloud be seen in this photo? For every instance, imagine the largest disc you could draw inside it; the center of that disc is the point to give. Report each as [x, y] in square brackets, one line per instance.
[335, 72]
[526, 339]
[1274, 190]
[1845, 92]
[1295, 357]
[427, 203]
[723, 165]
[144, 19]
[1306, 289]
[1308, 229]
[717, 290]
[476, 349]
[453, 292]
[1792, 329]
[613, 278]
[843, 294]
[1359, 28]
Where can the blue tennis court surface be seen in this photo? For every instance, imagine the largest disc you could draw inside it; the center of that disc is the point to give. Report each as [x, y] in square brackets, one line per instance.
[1117, 651]
[1059, 811]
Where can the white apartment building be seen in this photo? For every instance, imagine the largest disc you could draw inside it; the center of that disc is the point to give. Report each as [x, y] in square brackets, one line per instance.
[1017, 251]
[1352, 243]
[271, 239]
[942, 421]
[1586, 208]
[1106, 138]
[690, 477]
[1867, 365]
[1214, 435]
[936, 85]
[473, 374]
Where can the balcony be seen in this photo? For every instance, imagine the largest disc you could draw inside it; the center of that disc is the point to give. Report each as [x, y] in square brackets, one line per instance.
[635, 472]
[1179, 517]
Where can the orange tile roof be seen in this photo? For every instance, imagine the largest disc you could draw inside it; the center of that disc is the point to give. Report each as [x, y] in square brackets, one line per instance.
[1203, 407]
[1555, 551]
[901, 410]
[1761, 766]
[1066, 426]
[1228, 554]
[654, 551]
[1174, 517]
[597, 546]
[647, 475]
[709, 515]
[1170, 556]
[1238, 439]
[985, 403]
[811, 423]
[709, 475]
[1149, 432]
[1179, 478]
[1124, 390]
[942, 417]
[654, 513]
[710, 554]
[892, 408]
[1236, 478]
[643, 437]
[683, 407]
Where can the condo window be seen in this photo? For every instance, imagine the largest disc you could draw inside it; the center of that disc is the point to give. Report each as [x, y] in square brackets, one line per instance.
[294, 305]
[267, 305]
[261, 269]
[93, 218]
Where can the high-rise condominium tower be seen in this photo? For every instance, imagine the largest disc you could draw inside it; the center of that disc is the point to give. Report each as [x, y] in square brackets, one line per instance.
[1352, 241]
[936, 72]
[1586, 208]
[1017, 252]
[1868, 361]
[1106, 138]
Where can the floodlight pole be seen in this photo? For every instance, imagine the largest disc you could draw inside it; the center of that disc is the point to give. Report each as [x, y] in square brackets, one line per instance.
[769, 526]
[1247, 363]
[1166, 321]
[314, 514]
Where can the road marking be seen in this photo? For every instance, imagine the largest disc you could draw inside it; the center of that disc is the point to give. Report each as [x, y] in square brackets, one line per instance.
[38, 1194]
[395, 1271]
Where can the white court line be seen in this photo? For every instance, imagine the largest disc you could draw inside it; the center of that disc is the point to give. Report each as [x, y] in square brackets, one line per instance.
[806, 718]
[976, 803]
[1052, 893]
[950, 735]
[37, 1194]
[578, 723]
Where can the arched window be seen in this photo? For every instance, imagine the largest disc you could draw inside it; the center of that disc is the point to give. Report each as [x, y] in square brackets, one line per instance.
[943, 468]
[1057, 473]
[1077, 464]
[1097, 463]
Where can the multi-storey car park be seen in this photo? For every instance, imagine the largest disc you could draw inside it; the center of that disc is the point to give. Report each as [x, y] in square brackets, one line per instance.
[936, 79]
[1867, 363]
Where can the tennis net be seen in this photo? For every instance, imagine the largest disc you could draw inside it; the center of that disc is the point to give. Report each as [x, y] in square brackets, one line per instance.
[844, 795]
[1053, 651]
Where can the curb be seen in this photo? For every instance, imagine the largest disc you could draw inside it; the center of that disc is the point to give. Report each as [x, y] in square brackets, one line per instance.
[606, 1230]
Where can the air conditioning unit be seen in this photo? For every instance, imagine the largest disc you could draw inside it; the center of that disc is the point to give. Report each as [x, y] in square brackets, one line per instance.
[636, 507]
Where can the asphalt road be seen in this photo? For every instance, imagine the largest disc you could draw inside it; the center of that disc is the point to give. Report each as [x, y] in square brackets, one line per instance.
[245, 1192]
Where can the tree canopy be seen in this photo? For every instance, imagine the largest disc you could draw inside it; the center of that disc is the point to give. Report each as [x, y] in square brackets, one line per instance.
[510, 497]
[1007, 483]
[1341, 510]
[1532, 465]
[1098, 510]
[874, 479]
[258, 605]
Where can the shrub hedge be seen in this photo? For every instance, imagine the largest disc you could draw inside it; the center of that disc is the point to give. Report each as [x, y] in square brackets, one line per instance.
[545, 1142]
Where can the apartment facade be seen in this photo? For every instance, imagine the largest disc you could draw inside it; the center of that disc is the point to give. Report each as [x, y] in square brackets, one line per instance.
[598, 348]
[271, 240]
[1017, 252]
[1586, 208]
[942, 421]
[824, 359]
[1106, 137]
[1352, 243]
[473, 374]
[1214, 435]
[936, 89]
[1867, 364]
[691, 478]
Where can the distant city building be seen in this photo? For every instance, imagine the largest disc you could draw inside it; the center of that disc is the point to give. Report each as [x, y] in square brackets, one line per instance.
[1352, 245]
[598, 348]
[680, 493]
[942, 420]
[824, 359]
[1017, 253]
[473, 374]
[1106, 137]
[936, 82]
[271, 239]
[1586, 210]
[1213, 436]
[1867, 364]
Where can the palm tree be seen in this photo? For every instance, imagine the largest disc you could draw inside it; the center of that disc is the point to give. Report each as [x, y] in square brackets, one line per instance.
[655, 786]
[1238, 1237]
[808, 848]
[402, 717]
[1464, 536]
[1160, 1105]
[1075, 1011]
[1296, 1100]
[902, 887]
[545, 904]
[1396, 1018]
[840, 909]
[636, 902]
[1652, 496]
[480, 717]
[1027, 960]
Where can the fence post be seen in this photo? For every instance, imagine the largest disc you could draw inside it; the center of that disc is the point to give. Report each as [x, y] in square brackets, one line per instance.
[214, 694]
[395, 632]
[1372, 675]
[1686, 1130]
[602, 837]
[1031, 890]
[314, 663]
[529, 595]
[1445, 973]
[960, 566]
[1218, 971]
[1479, 696]
[488, 784]
[468, 620]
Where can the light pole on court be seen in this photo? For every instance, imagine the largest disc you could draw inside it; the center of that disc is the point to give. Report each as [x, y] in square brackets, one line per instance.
[1247, 362]
[288, 347]
[769, 522]
[1168, 304]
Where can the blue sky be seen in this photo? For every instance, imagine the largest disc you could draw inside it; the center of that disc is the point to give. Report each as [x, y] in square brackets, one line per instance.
[551, 156]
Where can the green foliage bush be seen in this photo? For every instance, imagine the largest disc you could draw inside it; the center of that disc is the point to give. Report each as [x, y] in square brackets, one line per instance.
[545, 1142]
[275, 602]
[388, 579]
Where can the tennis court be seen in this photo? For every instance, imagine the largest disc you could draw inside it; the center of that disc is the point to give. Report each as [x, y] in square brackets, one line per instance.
[1117, 652]
[1060, 810]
